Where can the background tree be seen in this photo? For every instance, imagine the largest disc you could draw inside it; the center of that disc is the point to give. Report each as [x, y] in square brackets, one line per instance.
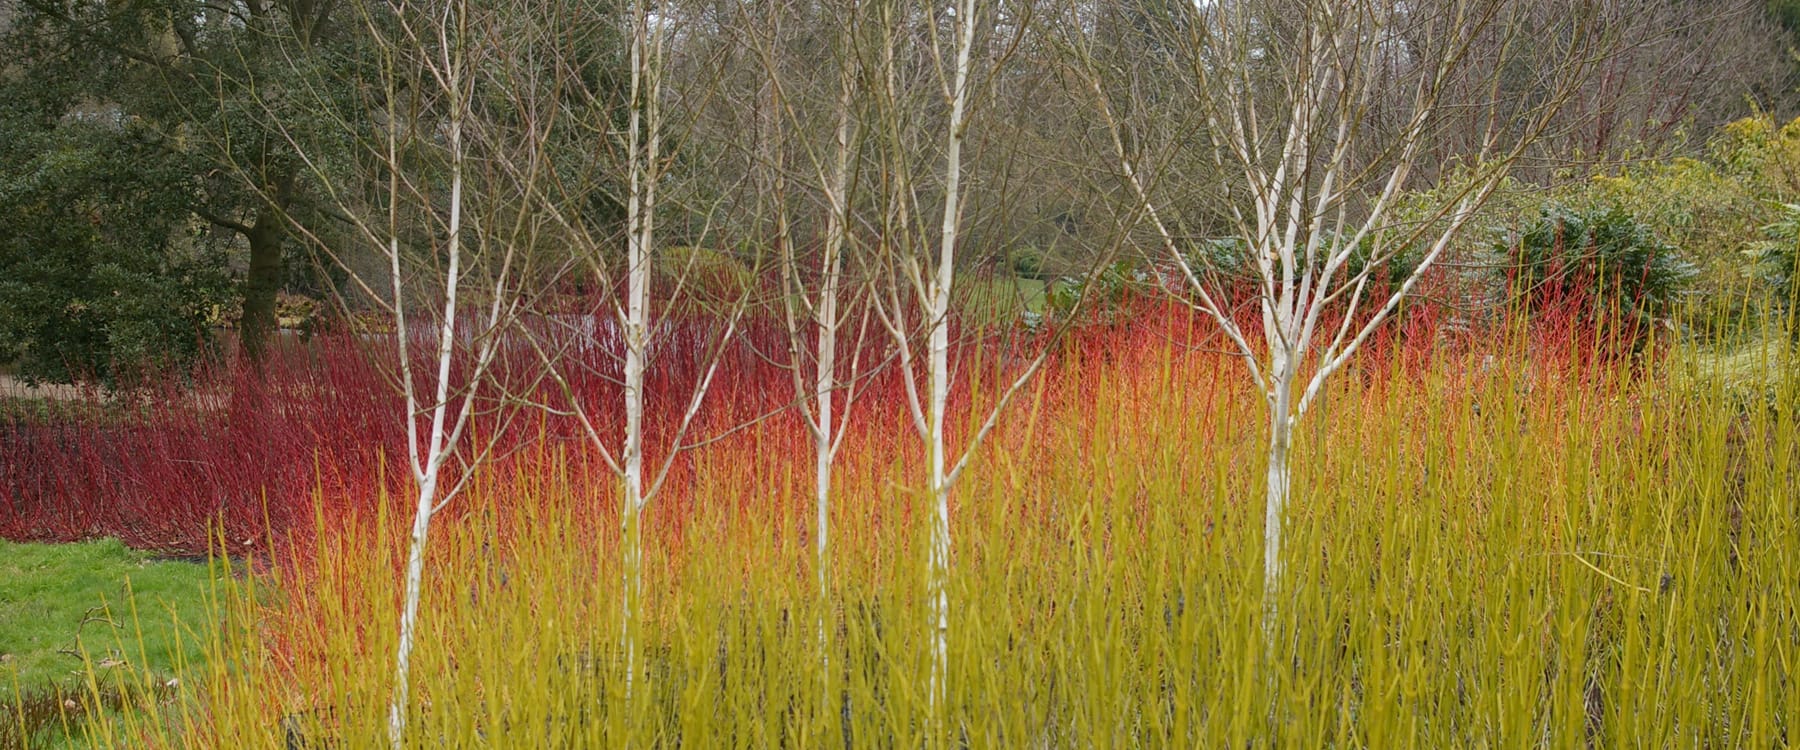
[624, 139]
[103, 274]
[931, 74]
[1662, 89]
[165, 82]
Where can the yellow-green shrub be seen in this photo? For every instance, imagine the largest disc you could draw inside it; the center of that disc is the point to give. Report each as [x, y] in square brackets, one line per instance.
[1482, 553]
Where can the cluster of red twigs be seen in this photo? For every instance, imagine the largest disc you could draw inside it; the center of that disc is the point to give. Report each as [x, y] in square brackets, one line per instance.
[250, 457]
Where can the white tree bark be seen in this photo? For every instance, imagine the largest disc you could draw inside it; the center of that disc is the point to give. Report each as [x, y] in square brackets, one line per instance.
[822, 398]
[929, 281]
[452, 406]
[938, 352]
[825, 384]
[651, 25]
[645, 147]
[1281, 428]
[435, 453]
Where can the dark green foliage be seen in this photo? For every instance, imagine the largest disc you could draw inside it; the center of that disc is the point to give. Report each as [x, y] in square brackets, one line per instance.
[103, 273]
[1027, 263]
[1787, 13]
[1776, 256]
[1598, 260]
[1225, 259]
[1778, 252]
[147, 147]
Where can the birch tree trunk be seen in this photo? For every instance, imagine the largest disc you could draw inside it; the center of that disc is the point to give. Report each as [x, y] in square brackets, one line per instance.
[644, 144]
[436, 54]
[1281, 425]
[812, 315]
[436, 451]
[451, 28]
[928, 277]
[409, 613]
[938, 352]
[825, 385]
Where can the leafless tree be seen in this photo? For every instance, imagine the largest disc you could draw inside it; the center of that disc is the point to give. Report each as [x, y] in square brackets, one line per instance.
[932, 72]
[805, 178]
[407, 167]
[610, 138]
[1317, 117]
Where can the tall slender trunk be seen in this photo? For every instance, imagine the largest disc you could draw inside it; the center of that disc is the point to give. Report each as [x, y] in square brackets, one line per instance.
[939, 562]
[641, 221]
[631, 504]
[429, 467]
[822, 391]
[836, 231]
[409, 612]
[939, 355]
[822, 457]
[440, 443]
[261, 282]
[1281, 429]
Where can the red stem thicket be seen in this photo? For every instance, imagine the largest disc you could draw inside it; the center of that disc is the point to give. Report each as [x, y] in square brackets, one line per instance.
[248, 459]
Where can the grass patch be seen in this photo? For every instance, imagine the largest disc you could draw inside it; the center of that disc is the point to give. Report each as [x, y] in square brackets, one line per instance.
[998, 298]
[69, 611]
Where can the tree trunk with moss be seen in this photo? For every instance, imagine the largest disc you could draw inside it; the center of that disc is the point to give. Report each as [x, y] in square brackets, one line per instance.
[261, 283]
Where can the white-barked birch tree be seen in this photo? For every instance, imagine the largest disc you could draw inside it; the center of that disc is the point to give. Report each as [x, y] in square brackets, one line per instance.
[625, 160]
[917, 251]
[1315, 117]
[406, 166]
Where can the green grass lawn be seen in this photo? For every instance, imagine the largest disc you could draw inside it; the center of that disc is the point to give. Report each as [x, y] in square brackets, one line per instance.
[999, 299]
[61, 601]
